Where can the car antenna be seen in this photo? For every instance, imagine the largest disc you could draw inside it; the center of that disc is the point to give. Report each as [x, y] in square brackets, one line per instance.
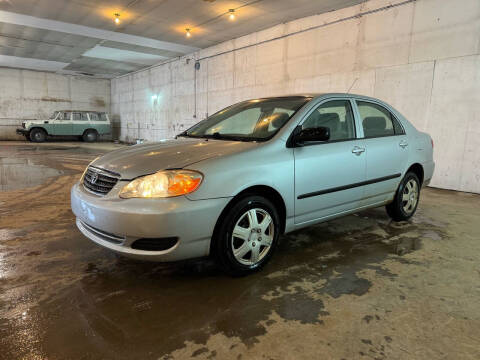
[351, 86]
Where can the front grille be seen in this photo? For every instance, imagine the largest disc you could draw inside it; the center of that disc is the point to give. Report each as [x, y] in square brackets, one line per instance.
[99, 181]
[158, 244]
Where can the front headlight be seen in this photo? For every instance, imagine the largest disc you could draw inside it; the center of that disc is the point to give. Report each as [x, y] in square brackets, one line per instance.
[163, 184]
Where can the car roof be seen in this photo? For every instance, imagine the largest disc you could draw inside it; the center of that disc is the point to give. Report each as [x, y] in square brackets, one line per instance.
[326, 95]
[318, 95]
[90, 111]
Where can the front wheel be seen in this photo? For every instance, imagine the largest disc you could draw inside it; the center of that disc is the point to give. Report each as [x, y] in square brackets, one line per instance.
[247, 236]
[37, 135]
[90, 135]
[406, 198]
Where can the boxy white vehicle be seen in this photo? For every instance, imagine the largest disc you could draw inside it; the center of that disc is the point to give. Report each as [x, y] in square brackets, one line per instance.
[87, 125]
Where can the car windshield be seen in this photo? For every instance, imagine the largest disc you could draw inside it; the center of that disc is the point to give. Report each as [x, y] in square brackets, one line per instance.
[252, 120]
[54, 115]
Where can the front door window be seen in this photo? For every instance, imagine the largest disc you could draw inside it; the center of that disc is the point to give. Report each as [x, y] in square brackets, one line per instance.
[336, 115]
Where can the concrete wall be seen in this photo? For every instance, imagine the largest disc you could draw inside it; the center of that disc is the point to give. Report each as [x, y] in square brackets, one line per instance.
[28, 94]
[420, 56]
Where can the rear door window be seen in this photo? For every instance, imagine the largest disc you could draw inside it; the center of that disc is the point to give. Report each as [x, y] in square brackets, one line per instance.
[93, 116]
[79, 116]
[378, 121]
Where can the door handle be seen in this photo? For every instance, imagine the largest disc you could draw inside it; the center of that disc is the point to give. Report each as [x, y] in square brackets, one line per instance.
[357, 150]
[403, 144]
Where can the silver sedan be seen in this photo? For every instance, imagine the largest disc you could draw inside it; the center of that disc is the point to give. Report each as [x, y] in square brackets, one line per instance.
[233, 183]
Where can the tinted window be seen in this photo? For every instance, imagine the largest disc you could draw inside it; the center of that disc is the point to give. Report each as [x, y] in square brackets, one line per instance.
[103, 117]
[378, 121]
[79, 116]
[337, 116]
[249, 120]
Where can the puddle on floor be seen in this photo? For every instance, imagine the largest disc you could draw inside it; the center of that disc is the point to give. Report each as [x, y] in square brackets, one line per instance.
[46, 149]
[403, 246]
[17, 173]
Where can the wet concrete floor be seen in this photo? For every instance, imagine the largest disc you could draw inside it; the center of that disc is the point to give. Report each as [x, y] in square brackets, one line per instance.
[359, 287]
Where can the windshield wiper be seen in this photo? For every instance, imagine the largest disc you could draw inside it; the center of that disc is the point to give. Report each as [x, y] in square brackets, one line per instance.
[187, 135]
[219, 136]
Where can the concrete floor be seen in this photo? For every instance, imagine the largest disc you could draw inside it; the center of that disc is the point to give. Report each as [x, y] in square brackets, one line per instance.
[357, 287]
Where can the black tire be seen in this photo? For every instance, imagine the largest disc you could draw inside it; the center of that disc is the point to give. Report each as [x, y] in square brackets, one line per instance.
[90, 135]
[37, 135]
[223, 242]
[398, 209]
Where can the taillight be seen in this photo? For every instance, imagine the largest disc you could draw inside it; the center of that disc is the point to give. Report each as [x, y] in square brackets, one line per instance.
[432, 142]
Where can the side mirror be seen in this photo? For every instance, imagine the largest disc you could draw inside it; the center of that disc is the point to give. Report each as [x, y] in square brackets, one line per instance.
[321, 133]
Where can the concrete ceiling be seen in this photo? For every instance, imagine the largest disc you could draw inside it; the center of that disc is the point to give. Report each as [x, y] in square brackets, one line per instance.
[80, 36]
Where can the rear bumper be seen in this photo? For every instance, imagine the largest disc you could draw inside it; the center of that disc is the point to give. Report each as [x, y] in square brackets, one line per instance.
[428, 169]
[116, 223]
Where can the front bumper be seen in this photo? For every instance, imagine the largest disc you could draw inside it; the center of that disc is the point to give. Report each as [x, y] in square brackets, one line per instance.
[23, 132]
[117, 223]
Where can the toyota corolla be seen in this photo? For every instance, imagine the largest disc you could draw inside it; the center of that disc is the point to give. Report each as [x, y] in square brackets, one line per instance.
[233, 183]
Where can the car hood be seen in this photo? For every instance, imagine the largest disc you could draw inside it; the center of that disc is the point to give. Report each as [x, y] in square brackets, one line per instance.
[138, 160]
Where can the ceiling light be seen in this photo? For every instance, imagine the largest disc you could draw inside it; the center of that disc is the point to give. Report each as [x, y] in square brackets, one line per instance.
[117, 18]
[188, 34]
[232, 14]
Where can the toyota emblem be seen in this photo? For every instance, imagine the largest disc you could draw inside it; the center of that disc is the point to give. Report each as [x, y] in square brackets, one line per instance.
[94, 178]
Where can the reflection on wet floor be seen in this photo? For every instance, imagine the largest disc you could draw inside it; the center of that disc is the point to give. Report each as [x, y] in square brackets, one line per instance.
[63, 297]
[28, 166]
[117, 302]
[22, 173]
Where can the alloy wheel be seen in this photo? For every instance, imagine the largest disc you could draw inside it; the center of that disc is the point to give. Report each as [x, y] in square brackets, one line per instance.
[252, 236]
[410, 196]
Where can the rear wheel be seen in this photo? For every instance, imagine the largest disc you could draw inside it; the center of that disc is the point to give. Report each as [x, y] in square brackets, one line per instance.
[406, 198]
[90, 135]
[247, 236]
[37, 135]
